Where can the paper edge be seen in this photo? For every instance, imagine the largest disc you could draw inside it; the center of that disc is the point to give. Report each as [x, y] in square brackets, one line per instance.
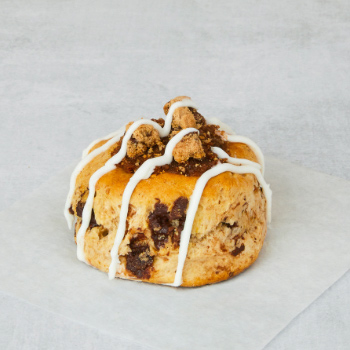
[147, 346]
[303, 310]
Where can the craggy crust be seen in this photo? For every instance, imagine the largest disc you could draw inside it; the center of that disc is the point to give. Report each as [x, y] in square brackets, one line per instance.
[227, 234]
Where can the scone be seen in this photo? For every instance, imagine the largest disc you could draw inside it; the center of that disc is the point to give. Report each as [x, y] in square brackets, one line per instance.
[179, 201]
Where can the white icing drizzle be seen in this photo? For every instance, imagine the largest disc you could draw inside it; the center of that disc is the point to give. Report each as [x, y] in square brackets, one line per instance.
[143, 173]
[194, 202]
[109, 136]
[116, 159]
[237, 165]
[254, 147]
[249, 168]
[87, 159]
[232, 137]
[223, 126]
[236, 161]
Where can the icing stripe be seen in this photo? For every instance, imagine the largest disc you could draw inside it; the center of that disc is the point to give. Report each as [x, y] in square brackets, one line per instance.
[69, 217]
[116, 159]
[89, 156]
[250, 169]
[143, 173]
[194, 202]
[254, 147]
[109, 166]
[235, 161]
[223, 126]
[109, 136]
[169, 117]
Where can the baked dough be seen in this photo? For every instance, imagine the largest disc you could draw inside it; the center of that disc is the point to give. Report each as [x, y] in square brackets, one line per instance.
[229, 226]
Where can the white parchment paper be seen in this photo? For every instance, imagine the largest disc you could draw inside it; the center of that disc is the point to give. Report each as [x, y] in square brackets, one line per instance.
[306, 250]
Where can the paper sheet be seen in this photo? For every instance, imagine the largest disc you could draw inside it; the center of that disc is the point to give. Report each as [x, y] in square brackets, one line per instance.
[306, 250]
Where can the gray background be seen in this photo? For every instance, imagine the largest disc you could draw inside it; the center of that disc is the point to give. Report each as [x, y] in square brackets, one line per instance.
[72, 71]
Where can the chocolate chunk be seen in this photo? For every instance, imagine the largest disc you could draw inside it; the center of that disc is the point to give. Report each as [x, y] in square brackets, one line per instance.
[93, 222]
[179, 208]
[164, 224]
[238, 250]
[79, 209]
[178, 214]
[71, 210]
[139, 260]
[159, 223]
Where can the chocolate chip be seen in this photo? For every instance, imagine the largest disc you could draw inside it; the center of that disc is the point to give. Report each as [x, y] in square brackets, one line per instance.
[93, 222]
[179, 208]
[178, 214]
[164, 224]
[79, 208]
[71, 210]
[159, 223]
[238, 250]
[139, 260]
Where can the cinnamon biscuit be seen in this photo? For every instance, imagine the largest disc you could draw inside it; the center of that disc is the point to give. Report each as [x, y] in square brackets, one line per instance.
[170, 201]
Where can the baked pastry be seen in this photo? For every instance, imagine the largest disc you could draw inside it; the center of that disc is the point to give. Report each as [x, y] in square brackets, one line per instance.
[179, 201]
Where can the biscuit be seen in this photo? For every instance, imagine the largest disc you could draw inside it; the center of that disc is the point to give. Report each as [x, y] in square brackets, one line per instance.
[229, 222]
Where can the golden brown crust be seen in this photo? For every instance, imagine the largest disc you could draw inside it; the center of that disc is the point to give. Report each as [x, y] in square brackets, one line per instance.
[227, 233]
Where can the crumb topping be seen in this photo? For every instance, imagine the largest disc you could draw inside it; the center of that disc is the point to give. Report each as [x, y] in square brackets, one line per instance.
[143, 138]
[192, 155]
[189, 147]
[183, 118]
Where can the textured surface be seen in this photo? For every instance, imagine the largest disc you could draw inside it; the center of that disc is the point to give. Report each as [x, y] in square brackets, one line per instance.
[277, 72]
[227, 233]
